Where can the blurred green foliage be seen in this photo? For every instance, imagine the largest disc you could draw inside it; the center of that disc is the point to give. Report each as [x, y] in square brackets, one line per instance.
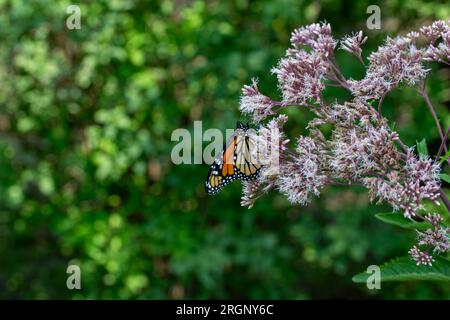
[85, 172]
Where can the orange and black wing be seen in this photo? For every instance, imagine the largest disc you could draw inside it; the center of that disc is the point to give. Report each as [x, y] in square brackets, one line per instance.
[222, 170]
[237, 161]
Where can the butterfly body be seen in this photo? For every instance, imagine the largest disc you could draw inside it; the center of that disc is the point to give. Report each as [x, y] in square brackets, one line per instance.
[236, 161]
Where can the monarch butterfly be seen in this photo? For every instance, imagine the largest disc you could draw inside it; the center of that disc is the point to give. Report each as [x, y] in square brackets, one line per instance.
[234, 162]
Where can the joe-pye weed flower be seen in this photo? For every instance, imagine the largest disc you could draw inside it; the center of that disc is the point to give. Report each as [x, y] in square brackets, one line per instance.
[362, 148]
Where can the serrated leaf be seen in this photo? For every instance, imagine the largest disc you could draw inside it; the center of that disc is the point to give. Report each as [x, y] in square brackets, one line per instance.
[399, 220]
[422, 148]
[445, 177]
[405, 269]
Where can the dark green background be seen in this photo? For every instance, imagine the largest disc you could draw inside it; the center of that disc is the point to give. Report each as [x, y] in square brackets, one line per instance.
[85, 173]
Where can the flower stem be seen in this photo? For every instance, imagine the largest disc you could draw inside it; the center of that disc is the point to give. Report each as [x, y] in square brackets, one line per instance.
[380, 103]
[444, 199]
[433, 112]
[443, 143]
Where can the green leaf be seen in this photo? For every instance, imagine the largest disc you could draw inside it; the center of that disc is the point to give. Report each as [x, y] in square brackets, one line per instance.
[444, 157]
[405, 269]
[399, 220]
[445, 177]
[422, 148]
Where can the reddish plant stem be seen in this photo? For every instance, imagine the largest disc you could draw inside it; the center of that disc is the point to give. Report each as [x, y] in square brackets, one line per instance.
[425, 96]
[380, 103]
[443, 143]
[444, 199]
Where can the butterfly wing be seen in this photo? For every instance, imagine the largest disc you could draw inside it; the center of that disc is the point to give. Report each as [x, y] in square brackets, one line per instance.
[234, 162]
[246, 161]
[222, 170]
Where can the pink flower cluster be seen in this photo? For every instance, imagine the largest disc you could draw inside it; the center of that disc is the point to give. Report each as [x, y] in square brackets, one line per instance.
[362, 148]
[437, 51]
[434, 239]
[398, 61]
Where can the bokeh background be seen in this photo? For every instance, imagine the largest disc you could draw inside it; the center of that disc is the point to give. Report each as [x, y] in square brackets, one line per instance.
[86, 118]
